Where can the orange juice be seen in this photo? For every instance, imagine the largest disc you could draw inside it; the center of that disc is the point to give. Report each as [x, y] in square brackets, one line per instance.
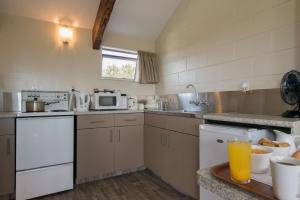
[239, 153]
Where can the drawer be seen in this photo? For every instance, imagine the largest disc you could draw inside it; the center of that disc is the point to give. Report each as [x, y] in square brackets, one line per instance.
[184, 124]
[179, 124]
[129, 119]
[156, 120]
[7, 126]
[94, 121]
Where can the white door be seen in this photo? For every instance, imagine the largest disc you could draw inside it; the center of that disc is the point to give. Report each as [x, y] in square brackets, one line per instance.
[44, 141]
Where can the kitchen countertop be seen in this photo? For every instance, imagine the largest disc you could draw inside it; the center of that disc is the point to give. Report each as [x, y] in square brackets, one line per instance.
[8, 114]
[179, 113]
[222, 189]
[267, 120]
[108, 112]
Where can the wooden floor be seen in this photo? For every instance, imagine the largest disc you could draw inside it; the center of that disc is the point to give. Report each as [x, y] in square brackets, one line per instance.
[141, 185]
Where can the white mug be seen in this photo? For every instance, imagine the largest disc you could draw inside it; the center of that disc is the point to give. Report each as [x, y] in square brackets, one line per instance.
[285, 178]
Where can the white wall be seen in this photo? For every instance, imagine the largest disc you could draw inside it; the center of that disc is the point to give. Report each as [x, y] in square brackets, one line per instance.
[218, 44]
[31, 56]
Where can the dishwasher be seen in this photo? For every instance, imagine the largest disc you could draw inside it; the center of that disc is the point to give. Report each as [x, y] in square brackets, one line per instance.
[213, 146]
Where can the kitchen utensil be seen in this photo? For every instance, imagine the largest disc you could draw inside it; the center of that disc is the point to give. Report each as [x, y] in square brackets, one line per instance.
[285, 178]
[35, 106]
[290, 92]
[260, 162]
[132, 103]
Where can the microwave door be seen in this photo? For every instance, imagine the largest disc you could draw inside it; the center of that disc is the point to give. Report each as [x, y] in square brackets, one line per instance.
[107, 101]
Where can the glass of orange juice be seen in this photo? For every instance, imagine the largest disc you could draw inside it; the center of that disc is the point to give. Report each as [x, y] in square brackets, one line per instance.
[239, 153]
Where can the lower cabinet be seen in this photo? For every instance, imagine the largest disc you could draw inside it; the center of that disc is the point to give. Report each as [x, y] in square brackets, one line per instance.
[174, 157]
[129, 148]
[102, 152]
[95, 152]
[7, 164]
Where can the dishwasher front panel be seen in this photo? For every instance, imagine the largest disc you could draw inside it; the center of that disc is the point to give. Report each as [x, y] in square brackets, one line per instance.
[44, 141]
[213, 144]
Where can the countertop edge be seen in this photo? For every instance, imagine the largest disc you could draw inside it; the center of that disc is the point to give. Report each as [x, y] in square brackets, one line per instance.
[222, 189]
[108, 112]
[251, 120]
[8, 114]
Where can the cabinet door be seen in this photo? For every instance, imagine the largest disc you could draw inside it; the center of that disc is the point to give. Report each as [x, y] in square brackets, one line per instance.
[129, 152]
[7, 166]
[95, 152]
[153, 149]
[169, 158]
[188, 164]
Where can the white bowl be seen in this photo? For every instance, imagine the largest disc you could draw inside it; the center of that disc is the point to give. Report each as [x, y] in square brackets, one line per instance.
[279, 151]
[260, 162]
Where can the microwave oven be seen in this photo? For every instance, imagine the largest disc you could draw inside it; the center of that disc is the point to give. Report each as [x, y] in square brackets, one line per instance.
[109, 101]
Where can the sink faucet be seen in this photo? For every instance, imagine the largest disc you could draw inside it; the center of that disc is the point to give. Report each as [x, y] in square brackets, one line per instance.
[196, 94]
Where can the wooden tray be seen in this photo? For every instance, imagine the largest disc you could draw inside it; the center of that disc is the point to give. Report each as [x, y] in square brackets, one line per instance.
[222, 172]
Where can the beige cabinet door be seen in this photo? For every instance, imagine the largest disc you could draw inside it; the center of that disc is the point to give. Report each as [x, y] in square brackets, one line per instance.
[188, 164]
[7, 164]
[95, 152]
[153, 149]
[129, 147]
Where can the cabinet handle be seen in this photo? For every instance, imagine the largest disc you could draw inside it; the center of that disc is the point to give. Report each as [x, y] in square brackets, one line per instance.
[111, 136]
[130, 120]
[8, 146]
[119, 135]
[95, 122]
[161, 143]
[167, 141]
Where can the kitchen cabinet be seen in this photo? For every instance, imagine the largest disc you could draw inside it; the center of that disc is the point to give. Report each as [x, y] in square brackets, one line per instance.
[109, 144]
[188, 164]
[173, 155]
[94, 121]
[7, 156]
[129, 148]
[95, 152]
[179, 124]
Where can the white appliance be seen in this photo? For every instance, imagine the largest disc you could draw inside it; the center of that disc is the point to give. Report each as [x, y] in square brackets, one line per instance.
[54, 100]
[213, 147]
[132, 103]
[109, 101]
[82, 102]
[44, 150]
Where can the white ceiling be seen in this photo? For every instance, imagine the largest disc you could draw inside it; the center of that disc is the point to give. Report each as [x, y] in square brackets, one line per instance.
[140, 18]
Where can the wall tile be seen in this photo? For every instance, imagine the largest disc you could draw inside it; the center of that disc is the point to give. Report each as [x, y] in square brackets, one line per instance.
[254, 45]
[231, 42]
[220, 54]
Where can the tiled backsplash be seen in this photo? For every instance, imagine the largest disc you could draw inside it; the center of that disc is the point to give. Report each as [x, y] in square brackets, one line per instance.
[243, 40]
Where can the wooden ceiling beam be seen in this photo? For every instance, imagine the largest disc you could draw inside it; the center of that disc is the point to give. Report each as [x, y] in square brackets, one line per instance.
[102, 18]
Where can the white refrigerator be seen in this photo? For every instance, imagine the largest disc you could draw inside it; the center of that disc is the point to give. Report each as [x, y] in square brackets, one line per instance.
[44, 155]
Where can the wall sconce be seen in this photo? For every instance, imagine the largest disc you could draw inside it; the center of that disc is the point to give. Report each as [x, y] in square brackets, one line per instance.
[65, 34]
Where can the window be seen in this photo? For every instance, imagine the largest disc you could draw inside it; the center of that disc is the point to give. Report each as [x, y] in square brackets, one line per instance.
[118, 64]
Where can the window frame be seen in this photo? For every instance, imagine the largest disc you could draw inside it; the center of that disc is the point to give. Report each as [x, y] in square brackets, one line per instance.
[127, 51]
